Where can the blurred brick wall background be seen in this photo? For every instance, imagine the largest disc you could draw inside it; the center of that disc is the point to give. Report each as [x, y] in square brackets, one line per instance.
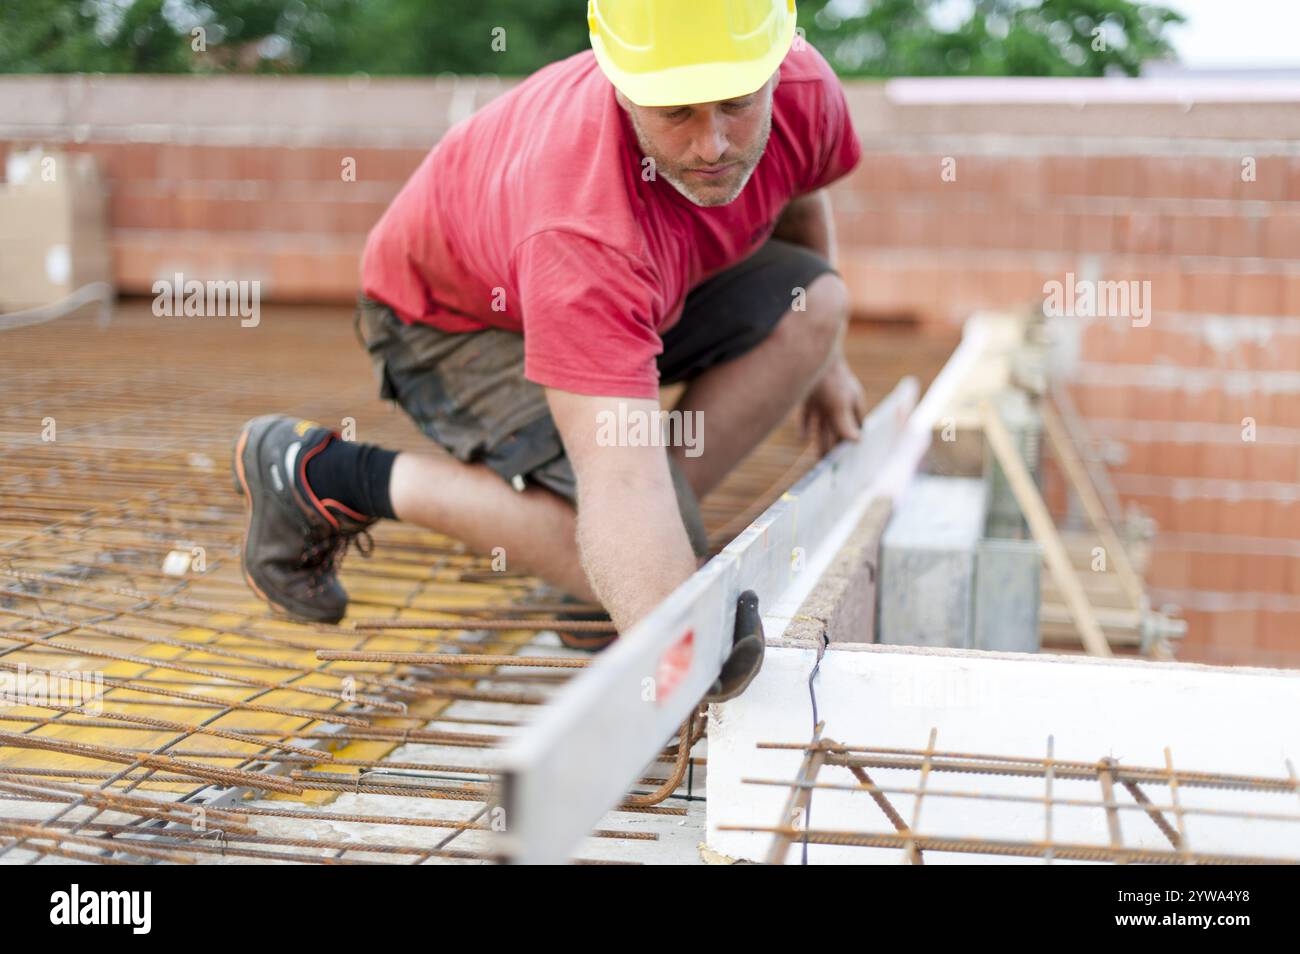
[242, 178]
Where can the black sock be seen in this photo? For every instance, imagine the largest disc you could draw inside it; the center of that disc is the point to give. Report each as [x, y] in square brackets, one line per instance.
[355, 475]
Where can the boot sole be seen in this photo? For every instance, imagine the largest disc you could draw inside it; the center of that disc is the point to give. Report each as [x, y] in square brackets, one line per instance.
[587, 642]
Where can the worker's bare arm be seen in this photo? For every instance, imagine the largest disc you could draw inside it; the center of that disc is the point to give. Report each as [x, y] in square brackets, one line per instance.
[631, 538]
[806, 220]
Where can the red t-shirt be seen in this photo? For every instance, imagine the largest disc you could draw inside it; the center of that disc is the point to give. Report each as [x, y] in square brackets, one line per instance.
[532, 215]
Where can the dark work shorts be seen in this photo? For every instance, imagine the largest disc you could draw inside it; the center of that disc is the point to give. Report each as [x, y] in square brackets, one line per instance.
[467, 390]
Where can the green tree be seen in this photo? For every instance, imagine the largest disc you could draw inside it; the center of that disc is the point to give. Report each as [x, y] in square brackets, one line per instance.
[999, 38]
[513, 37]
[66, 36]
[507, 37]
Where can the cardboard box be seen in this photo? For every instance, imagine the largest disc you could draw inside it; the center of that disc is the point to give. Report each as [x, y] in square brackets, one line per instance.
[53, 228]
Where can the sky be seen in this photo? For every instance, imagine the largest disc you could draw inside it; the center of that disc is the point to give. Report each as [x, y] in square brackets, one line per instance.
[1237, 33]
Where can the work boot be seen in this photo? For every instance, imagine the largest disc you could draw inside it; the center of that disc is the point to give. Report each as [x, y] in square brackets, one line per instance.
[293, 541]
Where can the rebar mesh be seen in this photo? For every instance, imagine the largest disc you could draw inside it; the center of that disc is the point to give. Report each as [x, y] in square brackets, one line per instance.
[217, 732]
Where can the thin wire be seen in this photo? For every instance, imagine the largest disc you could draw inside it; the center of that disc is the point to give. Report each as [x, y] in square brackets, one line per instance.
[812, 695]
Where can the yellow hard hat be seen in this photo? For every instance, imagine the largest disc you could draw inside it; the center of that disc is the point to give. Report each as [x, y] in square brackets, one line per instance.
[678, 52]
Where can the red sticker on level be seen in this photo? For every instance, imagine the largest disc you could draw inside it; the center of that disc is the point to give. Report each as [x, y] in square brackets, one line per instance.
[674, 665]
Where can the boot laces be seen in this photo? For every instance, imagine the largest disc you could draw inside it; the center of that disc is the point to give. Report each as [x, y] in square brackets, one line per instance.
[324, 554]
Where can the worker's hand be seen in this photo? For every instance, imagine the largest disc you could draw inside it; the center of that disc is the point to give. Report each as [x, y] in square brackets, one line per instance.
[835, 408]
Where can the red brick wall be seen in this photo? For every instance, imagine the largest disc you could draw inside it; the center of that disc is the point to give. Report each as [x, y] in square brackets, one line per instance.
[278, 214]
[1210, 243]
[242, 177]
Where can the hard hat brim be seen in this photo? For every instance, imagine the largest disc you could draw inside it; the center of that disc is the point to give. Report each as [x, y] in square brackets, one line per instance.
[697, 83]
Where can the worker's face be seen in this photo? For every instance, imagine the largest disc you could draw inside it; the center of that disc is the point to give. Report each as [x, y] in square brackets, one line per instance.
[708, 151]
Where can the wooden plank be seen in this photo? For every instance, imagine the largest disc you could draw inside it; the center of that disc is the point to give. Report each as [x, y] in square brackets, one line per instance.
[1044, 531]
[1071, 463]
[1069, 415]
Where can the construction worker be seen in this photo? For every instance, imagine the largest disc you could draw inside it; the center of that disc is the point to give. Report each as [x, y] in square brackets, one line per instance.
[648, 212]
